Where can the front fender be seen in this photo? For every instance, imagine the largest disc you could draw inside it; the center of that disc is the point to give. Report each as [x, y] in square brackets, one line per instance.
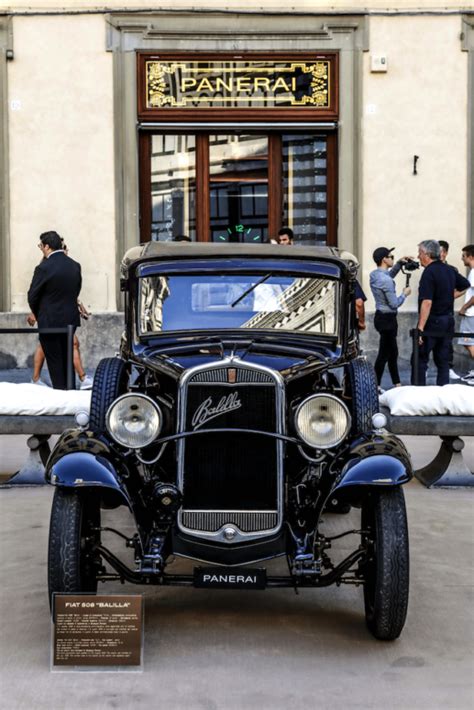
[376, 470]
[81, 469]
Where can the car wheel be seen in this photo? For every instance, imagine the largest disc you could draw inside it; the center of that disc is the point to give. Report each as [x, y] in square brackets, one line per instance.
[73, 534]
[386, 572]
[110, 381]
[365, 399]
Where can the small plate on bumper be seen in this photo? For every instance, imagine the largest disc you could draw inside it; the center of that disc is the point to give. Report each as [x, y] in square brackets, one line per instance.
[230, 578]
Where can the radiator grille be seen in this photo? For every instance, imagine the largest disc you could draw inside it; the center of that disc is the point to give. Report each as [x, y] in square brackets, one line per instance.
[209, 521]
[223, 374]
[230, 477]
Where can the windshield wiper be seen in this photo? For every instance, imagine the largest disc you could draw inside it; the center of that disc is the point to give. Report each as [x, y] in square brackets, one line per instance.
[249, 290]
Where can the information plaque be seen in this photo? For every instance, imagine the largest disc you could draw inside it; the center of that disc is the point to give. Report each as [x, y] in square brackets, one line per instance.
[98, 631]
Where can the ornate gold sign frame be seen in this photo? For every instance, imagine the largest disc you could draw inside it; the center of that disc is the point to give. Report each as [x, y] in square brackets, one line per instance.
[236, 84]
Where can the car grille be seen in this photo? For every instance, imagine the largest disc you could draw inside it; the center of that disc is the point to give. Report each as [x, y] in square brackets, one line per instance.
[211, 521]
[230, 477]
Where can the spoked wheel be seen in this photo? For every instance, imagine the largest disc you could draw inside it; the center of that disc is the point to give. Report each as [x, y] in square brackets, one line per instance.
[73, 534]
[386, 573]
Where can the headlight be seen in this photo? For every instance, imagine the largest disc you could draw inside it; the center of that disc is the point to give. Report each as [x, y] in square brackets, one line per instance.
[134, 420]
[322, 421]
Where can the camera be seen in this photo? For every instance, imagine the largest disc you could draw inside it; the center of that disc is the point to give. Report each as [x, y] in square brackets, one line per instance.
[410, 265]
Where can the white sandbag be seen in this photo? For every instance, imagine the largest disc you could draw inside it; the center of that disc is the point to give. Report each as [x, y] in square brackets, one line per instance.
[30, 400]
[455, 400]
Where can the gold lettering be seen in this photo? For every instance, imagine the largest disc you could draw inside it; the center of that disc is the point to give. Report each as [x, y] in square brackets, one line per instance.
[221, 84]
[204, 84]
[262, 82]
[187, 84]
[243, 83]
[238, 84]
[281, 84]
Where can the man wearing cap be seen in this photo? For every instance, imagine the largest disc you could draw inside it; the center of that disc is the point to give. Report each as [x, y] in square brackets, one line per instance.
[387, 302]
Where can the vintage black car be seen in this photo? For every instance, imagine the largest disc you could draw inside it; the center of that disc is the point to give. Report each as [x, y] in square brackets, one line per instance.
[238, 415]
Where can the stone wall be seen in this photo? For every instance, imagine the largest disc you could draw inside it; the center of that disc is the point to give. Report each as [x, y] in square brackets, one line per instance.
[99, 337]
[407, 321]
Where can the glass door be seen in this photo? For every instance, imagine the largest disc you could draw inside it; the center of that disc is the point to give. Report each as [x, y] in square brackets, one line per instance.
[308, 190]
[238, 187]
[173, 186]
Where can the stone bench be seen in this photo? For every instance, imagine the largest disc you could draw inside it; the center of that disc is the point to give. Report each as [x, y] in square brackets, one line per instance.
[448, 468]
[40, 428]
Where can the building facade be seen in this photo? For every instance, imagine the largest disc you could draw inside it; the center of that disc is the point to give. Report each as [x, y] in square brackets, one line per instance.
[225, 122]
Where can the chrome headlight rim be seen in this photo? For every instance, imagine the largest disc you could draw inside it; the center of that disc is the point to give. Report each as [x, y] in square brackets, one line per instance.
[149, 400]
[332, 445]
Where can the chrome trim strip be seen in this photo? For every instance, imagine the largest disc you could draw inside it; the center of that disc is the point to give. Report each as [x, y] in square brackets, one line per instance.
[280, 427]
[235, 384]
[205, 510]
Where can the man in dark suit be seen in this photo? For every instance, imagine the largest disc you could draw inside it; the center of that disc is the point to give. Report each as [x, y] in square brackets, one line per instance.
[52, 297]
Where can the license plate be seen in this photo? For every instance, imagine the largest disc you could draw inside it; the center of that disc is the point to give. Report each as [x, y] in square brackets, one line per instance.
[230, 578]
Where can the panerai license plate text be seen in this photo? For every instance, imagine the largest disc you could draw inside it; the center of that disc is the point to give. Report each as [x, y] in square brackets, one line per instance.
[229, 578]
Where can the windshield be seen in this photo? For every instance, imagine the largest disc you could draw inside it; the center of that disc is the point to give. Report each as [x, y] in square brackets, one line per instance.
[227, 301]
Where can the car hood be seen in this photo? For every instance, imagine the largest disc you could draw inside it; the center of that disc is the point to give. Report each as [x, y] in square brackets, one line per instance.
[290, 359]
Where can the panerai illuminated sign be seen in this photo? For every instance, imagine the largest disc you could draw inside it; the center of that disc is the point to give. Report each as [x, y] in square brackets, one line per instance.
[237, 84]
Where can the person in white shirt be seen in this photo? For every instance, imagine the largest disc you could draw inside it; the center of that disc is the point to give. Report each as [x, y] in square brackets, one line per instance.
[467, 311]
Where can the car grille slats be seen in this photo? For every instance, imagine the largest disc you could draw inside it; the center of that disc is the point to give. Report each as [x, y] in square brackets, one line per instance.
[247, 522]
[230, 477]
[241, 376]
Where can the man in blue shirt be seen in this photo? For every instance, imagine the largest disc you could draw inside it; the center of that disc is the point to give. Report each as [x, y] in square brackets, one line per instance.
[439, 285]
[387, 303]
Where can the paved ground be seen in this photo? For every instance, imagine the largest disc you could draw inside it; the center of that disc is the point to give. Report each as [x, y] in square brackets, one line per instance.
[255, 650]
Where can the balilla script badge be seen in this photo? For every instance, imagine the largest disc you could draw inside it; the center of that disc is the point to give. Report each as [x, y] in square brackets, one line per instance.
[207, 410]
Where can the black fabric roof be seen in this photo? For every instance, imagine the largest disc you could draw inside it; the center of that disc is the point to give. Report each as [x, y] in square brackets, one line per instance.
[194, 250]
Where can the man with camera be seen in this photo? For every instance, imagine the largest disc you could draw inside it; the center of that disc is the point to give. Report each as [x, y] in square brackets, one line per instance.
[387, 302]
[439, 285]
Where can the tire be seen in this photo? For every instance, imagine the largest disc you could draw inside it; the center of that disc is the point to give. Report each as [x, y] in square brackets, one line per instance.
[72, 564]
[386, 573]
[110, 381]
[365, 399]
